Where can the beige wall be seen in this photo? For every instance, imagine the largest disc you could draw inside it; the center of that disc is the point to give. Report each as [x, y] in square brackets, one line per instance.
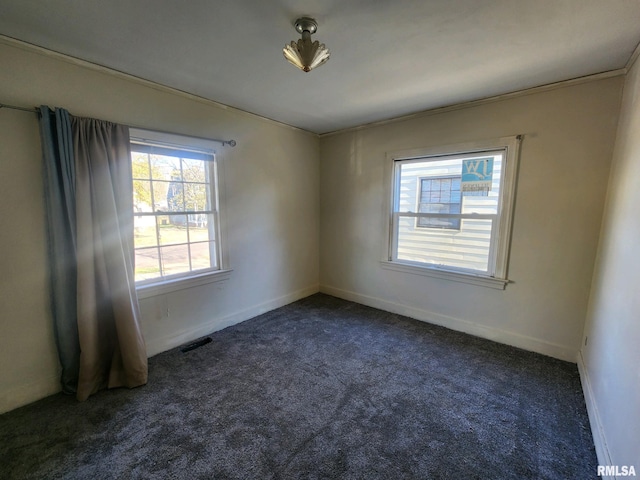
[564, 166]
[27, 351]
[270, 185]
[610, 361]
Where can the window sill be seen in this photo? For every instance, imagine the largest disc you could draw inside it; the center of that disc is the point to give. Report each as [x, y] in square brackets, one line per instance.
[490, 282]
[168, 286]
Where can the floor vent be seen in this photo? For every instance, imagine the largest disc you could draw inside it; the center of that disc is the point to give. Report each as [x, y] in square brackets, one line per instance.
[194, 345]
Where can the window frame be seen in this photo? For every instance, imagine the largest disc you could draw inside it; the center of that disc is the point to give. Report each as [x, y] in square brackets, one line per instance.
[170, 283]
[497, 277]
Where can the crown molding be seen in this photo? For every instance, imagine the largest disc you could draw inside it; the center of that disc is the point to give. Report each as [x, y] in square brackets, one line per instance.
[632, 59]
[484, 101]
[13, 42]
[30, 47]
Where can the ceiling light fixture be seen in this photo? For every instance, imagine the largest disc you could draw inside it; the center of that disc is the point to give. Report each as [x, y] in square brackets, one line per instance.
[305, 54]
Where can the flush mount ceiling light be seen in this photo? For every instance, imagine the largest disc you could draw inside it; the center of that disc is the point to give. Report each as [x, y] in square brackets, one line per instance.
[305, 54]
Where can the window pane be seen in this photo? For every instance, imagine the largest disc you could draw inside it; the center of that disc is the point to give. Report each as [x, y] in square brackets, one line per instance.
[160, 196]
[193, 171]
[465, 248]
[479, 202]
[201, 255]
[139, 165]
[142, 201]
[144, 231]
[163, 167]
[446, 188]
[195, 195]
[172, 229]
[451, 224]
[175, 196]
[429, 181]
[147, 264]
[175, 259]
[201, 227]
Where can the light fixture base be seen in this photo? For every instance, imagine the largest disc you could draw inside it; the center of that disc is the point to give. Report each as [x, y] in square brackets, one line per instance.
[306, 24]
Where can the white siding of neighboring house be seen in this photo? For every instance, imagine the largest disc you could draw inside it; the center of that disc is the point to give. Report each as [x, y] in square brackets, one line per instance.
[465, 248]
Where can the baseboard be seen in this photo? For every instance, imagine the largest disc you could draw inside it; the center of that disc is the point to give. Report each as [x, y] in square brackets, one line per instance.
[28, 393]
[181, 337]
[561, 352]
[600, 441]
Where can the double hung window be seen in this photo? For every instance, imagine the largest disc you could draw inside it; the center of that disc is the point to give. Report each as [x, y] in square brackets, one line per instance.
[451, 209]
[175, 207]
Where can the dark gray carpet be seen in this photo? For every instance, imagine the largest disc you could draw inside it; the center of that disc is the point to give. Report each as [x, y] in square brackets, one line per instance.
[321, 388]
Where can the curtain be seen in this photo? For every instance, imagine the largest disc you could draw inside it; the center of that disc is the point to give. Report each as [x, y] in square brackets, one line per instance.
[111, 351]
[59, 187]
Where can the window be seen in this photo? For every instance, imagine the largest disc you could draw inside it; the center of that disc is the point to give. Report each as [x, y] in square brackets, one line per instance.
[175, 211]
[442, 195]
[439, 195]
[451, 210]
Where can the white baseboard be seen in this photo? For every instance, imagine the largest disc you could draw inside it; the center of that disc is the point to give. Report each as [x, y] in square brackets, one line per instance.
[28, 393]
[532, 344]
[162, 344]
[600, 441]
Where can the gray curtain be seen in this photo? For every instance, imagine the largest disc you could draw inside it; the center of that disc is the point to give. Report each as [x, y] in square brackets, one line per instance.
[59, 186]
[111, 352]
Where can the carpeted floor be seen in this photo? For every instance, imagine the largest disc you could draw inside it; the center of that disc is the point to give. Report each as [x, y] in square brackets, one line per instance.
[321, 388]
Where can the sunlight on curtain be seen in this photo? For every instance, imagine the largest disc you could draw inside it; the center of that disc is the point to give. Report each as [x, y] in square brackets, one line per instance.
[98, 250]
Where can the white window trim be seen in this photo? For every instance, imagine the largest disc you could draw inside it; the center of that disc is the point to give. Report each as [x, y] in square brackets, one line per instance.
[182, 283]
[507, 201]
[152, 288]
[439, 272]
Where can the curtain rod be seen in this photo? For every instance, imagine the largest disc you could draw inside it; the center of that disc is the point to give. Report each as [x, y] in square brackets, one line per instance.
[231, 143]
[24, 109]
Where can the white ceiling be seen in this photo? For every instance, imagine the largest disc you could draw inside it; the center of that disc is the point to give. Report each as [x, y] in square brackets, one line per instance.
[388, 58]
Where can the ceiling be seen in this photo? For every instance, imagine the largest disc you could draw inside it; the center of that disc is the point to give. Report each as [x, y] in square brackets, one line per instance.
[387, 58]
